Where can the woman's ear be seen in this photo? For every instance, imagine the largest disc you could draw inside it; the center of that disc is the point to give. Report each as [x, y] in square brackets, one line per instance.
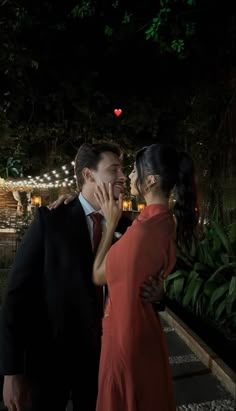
[157, 181]
[152, 180]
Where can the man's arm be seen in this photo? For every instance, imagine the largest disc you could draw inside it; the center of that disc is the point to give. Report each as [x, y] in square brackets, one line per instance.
[20, 299]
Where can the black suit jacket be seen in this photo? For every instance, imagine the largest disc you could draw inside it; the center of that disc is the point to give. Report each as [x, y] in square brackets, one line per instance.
[50, 304]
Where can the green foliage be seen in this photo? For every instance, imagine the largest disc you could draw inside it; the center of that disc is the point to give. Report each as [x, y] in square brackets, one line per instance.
[115, 4]
[178, 45]
[205, 281]
[168, 24]
[152, 31]
[108, 31]
[85, 9]
[171, 21]
[13, 168]
[126, 18]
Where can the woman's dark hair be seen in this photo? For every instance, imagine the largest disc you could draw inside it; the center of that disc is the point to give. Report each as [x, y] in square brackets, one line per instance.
[89, 156]
[176, 170]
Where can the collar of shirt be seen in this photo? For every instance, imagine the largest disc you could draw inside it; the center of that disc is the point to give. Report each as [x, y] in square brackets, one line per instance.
[88, 209]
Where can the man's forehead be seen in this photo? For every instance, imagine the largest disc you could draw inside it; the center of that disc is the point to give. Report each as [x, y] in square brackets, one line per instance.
[110, 159]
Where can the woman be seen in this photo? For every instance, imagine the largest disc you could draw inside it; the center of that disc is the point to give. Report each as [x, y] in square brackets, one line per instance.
[134, 370]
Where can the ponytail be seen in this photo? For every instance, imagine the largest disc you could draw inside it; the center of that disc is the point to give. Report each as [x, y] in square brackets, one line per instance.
[185, 208]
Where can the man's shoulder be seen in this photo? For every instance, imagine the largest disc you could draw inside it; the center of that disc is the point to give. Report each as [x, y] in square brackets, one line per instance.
[61, 211]
[123, 224]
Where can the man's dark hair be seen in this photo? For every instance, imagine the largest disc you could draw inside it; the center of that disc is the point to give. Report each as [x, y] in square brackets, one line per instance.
[89, 156]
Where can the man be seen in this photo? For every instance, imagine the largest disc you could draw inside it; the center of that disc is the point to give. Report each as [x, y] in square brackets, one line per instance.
[50, 321]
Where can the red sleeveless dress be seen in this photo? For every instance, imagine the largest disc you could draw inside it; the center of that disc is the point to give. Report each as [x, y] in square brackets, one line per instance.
[134, 372]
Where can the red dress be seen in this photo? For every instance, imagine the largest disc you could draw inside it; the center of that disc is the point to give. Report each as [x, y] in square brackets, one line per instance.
[134, 372]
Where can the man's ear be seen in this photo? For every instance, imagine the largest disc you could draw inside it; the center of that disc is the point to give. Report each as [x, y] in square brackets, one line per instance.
[88, 175]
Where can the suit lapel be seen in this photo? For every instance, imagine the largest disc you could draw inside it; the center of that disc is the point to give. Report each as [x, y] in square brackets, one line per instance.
[80, 230]
[123, 224]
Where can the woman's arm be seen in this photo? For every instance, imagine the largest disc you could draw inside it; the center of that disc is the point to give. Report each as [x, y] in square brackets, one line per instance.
[112, 212]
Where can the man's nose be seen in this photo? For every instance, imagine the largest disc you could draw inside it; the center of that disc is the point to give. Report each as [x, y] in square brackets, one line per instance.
[122, 176]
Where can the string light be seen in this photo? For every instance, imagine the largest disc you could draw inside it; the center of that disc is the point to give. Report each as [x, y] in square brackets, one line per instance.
[47, 180]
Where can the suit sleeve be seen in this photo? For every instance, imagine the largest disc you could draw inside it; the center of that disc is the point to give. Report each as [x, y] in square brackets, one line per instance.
[20, 300]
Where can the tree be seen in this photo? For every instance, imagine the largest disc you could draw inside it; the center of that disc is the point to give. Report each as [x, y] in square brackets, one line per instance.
[168, 23]
[13, 168]
[66, 66]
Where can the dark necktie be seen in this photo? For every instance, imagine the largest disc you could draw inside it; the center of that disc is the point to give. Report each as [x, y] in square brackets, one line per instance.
[97, 229]
[97, 234]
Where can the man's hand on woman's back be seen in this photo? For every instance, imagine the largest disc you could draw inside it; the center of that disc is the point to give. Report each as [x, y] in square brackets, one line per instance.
[152, 292]
[63, 198]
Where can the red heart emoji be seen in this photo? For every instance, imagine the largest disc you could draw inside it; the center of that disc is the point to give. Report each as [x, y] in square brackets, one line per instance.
[117, 112]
